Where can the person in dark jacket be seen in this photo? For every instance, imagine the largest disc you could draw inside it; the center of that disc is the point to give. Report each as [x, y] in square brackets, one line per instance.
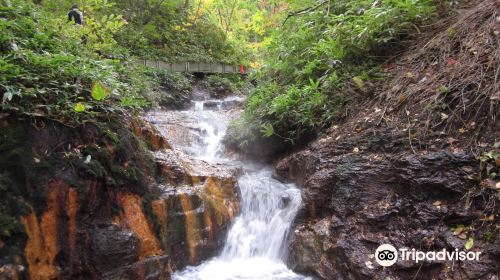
[75, 14]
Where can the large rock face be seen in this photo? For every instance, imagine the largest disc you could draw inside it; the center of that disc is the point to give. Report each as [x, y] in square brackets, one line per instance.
[118, 203]
[366, 190]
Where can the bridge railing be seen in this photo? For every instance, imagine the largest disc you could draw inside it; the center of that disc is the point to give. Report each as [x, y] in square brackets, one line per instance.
[195, 67]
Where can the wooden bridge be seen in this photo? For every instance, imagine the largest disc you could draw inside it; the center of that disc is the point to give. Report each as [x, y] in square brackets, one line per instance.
[196, 67]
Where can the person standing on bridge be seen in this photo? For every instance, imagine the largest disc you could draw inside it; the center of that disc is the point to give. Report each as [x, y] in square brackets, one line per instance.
[76, 15]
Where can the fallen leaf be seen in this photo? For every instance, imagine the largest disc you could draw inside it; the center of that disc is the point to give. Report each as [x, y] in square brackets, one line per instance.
[490, 218]
[444, 116]
[469, 243]
[458, 230]
[359, 83]
[436, 203]
[451, 62]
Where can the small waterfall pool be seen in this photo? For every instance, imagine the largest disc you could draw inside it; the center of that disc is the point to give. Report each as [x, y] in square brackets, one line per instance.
[256, 242]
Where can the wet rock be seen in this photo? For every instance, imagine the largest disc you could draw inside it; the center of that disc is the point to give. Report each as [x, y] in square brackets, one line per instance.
[353, 202]
[231, 104]
[121, 213]
[285, 200]
[211, 105]
[113, 247]
[180, 127]
[252, 144]
[152, 137]
[154, 268]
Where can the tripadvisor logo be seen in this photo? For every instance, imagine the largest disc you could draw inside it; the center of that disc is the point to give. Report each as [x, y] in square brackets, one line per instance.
[387, 255]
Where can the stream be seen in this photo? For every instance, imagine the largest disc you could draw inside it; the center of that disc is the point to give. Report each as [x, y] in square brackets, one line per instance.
[255, 246]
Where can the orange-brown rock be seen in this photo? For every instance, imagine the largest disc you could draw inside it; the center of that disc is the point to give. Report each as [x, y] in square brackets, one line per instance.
[100, 206]
[133, 218]
[43, 245]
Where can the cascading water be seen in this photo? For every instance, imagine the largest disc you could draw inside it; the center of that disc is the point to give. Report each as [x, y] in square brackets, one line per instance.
[255, 245]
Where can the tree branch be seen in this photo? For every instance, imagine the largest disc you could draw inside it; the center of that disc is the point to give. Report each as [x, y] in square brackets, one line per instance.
[303, 11]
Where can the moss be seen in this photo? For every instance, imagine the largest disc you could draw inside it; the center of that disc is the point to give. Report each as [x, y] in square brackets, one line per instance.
[13, 147]
[147, 209]
[108, 133]
[9, 224]
[96, 169]
[12, 206]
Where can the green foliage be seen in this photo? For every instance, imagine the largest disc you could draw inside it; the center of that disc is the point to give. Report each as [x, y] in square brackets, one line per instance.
[79, 107]
[52, 69]
[219, 86]
[173, 90]
[320, 49]
[291, 111]
[99, 92]
[172, 31]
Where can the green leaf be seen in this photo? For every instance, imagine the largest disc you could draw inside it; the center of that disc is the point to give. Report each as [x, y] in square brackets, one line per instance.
[79, 107]
[99, 92]
[267, 130]
[444, 89]
[469, 243]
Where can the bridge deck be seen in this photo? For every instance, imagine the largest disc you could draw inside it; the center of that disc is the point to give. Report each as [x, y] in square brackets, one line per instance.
[194, 67]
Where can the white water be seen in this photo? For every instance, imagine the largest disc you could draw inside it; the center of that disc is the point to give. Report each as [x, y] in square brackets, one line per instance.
[256, 243]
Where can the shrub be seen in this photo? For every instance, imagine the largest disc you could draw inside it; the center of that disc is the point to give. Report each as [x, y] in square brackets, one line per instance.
[48, 68]
[319, 51]
[219, 86]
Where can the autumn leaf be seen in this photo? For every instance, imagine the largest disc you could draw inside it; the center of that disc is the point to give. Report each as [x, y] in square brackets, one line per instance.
[451, 62]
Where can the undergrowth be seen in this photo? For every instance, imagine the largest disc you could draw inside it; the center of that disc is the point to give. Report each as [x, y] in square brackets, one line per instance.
[321, 50]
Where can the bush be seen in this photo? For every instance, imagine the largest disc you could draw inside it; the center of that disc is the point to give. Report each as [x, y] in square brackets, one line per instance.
[219, 86]
[317, 53]
[49, 68]
[173, 89]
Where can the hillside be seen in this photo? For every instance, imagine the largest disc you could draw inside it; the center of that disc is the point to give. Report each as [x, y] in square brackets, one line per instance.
[414, 163]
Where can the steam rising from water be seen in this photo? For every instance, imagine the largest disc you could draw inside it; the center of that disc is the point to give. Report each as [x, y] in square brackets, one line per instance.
[255, 245]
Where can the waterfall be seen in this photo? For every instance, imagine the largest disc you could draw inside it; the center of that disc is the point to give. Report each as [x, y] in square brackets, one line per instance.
[256, 242]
